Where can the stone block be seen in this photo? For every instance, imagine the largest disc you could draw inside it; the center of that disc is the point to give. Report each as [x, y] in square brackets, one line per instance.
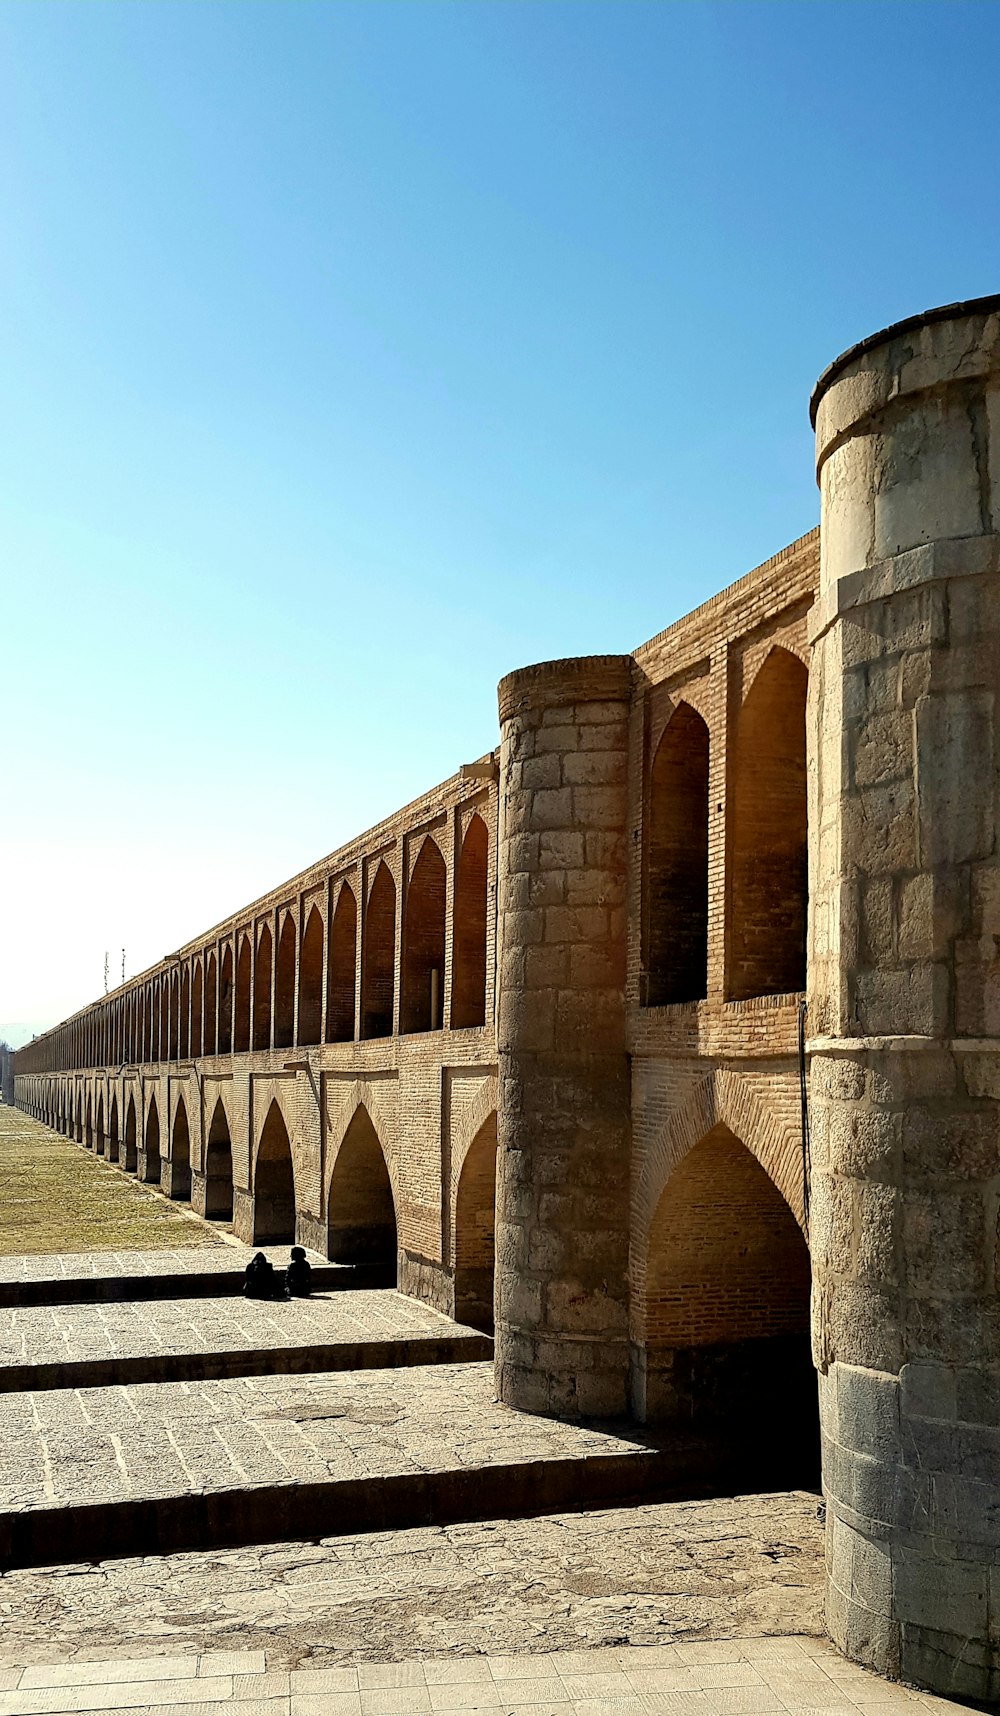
[955, 783]
[868, 1411]
[550, 808]
[948, 1596]
[877, 1241]
[865, 1142]
[944, 1242]
[950, 1145]
[929, 1390]
[925, 480]
[883, 748]
[911, 1001]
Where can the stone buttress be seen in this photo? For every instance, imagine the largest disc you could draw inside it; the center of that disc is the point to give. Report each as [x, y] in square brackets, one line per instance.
[904, 996]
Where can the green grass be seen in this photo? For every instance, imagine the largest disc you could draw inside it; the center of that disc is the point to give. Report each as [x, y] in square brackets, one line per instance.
[57, 1196]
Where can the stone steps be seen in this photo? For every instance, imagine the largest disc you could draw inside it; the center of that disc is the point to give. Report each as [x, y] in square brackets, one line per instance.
[193, 1284]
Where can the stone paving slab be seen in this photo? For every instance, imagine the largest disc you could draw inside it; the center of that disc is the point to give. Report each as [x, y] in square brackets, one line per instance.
[93, 1346]
[91, 1277]
[786, 1676]
[93, 1472]
[653, 1573]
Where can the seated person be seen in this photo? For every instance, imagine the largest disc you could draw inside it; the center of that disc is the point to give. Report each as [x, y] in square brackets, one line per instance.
[298, 1275]
[259, 1280]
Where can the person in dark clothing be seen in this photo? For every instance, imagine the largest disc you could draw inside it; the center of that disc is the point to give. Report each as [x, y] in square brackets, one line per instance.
[259, 1280]
[298, 1275]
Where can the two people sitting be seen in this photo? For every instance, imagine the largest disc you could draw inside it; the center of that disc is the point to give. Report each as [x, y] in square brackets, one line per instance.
[261, 1280]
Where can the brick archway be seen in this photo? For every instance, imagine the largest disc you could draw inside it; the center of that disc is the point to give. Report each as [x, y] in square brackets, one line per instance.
[360, 1201]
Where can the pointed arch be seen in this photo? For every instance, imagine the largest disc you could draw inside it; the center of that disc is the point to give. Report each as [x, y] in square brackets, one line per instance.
[219, 1167]
[724, 1313]
[113, 1138]
[152, 1166]
[175, 1017]
[180, 1154]
[163, 1042]
[284, 986]
[470, 919]
[184, 1020]
[311, 981]
[766, 940]
[676, 905]
[226, 998]
[210, 1034]
[474, 1229]
[99, 1129]
[423, 942]
[341, 979]
[197, 1003]
[274, 1183]
[88, 1131]
[241, 1022]
[129, 1144]
[361, 1213]
[262, 991]
[378, 956]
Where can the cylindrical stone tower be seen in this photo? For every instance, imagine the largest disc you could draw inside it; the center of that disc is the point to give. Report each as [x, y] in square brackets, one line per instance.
[563, 1120]
[904, 996]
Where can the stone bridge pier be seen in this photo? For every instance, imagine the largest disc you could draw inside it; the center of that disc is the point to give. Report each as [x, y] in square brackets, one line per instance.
[904, 996]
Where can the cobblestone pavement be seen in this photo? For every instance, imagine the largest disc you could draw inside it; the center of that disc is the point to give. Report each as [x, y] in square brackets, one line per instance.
[784, 1676]
[55, 1196]
[73, 1334]
[224, 1256]
[642, 1575]
[92, 1445]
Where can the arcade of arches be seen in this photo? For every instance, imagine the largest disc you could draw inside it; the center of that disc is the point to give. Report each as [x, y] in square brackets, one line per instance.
[347, 1063]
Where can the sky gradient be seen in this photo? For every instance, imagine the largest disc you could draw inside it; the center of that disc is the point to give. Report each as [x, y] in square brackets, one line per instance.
[355, 354]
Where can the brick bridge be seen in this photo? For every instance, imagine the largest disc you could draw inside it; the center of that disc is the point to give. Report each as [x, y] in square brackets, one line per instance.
[566, 987]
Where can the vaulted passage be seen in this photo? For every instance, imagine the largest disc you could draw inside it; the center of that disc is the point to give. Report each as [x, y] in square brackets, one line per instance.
[130, 1152]
[180, 1155]
[340, 979]
[311, 981]
[174, 1016]
[676, 914]
[211, 1003]
[423, 942]
[727, 1304]
[468, 966]
[151, 1145]
[196, 1009]
[226, 999]
[183, 1031]
[378, 956]
[88, 1133]
[99, 1135]
[274, 1184]
[361, 1215]
[262, 992]
[113, 1139]
[284, 986]
[767, 835]
[475, 1222]
[219, 1168]
[241, 1024]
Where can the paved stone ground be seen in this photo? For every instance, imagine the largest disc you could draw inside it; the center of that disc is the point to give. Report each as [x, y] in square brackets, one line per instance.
[55, 1196]
[73, 1335]
[744, 1677]
[643, 1575]
[73, 1446]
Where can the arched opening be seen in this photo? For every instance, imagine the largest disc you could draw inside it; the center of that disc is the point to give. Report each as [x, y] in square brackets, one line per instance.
[311, 981]
[226, 1003]
[180, 1154]
[468, 960]
[163, 1044]
[219, 1168]
[88, 1131]
[210, 1037]
[151, 1145]
[262, 992]
[99, 1133]
[342, 969]
[241, 1031]
[113, 1138]
[184, 1022]
[274, 1184]
[727, 1307]
[475, 1223]
[174, 1019]
[197, 998]
[676, 917]
[78, 1128]
[378, 955]
[143, 1054]
[767, 835]
[130, 1154]
[361, 1215]
[284, 986]
[422, 995]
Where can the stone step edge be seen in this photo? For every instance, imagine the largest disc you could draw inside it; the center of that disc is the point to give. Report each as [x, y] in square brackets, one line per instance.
[395, 1353]
[291, 1512]
[217, 1284]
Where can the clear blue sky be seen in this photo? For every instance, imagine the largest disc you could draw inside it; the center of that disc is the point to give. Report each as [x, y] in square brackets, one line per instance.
[353, 354]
